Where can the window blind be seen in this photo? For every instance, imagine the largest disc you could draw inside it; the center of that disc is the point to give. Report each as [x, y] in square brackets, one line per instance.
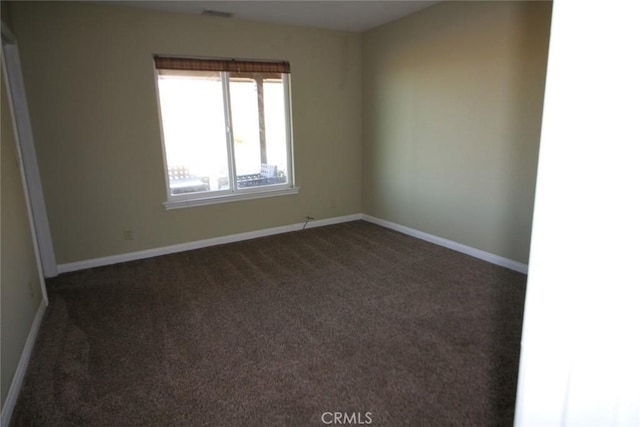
[231, 65]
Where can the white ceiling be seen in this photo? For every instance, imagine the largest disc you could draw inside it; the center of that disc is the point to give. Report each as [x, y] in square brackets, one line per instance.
[356, 16]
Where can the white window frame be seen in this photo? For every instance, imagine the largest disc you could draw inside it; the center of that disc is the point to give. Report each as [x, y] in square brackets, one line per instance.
[233, 194]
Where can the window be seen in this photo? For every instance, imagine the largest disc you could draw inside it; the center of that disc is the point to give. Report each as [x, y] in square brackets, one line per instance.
[226, 129]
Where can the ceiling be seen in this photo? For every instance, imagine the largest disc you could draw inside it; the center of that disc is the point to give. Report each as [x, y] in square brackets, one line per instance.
[355, 16]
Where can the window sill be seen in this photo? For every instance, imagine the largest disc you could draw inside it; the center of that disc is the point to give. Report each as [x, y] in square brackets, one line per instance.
[227, 198]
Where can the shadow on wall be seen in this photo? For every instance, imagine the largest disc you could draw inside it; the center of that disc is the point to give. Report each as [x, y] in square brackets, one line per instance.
[530, 66]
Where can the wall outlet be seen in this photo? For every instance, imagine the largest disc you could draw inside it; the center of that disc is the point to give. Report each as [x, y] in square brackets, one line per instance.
[128, 234]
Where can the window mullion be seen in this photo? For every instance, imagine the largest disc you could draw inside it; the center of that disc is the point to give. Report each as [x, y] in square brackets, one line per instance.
[228, 122]
[287, 118]
[263, 136]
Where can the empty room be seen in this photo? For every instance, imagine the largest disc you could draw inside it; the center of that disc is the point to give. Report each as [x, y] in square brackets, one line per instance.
[307, 213]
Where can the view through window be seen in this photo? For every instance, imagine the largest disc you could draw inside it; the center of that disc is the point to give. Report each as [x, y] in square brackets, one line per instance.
[226, 132]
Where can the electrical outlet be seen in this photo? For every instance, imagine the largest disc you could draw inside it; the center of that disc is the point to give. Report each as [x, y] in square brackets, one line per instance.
[128, 234]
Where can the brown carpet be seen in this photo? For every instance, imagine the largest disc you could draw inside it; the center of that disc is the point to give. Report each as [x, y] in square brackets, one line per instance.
[350, 318]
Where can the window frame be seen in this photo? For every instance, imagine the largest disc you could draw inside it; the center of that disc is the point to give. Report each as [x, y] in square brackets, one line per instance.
[233, 194]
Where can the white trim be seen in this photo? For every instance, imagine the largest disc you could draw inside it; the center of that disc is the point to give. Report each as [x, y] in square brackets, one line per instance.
[228, 122]
[164, 150]
[25, 191]
[149, 253]
[286, 83]
[230, 197]
[330, 221]
[458, 247]
[21, 369]
[132, 256]
[27, 151]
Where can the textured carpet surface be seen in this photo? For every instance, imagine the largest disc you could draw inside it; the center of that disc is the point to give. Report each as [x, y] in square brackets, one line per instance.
[351, 318]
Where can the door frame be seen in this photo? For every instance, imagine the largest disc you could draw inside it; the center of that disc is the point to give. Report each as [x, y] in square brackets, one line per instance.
[28, 159]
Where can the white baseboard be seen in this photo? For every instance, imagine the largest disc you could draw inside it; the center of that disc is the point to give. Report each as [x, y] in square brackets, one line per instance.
[18, 377]
[468, 250]
[132, 256]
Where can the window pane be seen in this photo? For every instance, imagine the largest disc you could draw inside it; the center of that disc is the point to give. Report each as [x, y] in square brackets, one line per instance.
[246, 129]
[259, 133]
[193, 123]
[276, 125]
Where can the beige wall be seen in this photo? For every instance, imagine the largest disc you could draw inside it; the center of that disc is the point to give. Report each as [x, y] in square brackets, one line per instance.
[452, 111]
[5, 14]
[19, 279]
[88, 73]
[437, 129]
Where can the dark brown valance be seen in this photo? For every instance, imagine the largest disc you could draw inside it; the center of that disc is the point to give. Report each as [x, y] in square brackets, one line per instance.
[233, 65]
